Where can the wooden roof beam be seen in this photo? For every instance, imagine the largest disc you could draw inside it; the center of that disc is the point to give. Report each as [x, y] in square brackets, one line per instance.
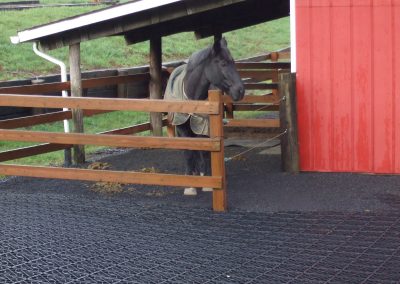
[242, 15]
[141, 20]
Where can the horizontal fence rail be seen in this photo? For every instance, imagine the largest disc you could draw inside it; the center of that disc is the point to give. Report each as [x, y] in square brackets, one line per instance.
[268, 98]
[257, 123]
[263, 65]
[86, 83]
[43, 118]
[145, 105]
[261, 86]
[48, 147]
[210, 144]
[256, 107]
[261, 75]
[112, 176]
[31, 151]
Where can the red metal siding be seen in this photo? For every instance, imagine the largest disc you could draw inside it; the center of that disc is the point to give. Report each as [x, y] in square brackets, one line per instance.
[348, 71]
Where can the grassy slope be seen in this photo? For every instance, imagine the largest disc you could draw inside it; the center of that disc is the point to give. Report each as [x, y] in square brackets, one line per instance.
[94, 124]
[20, 62]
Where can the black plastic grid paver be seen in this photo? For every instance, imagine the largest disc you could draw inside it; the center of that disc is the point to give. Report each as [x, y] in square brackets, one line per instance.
[57, 238]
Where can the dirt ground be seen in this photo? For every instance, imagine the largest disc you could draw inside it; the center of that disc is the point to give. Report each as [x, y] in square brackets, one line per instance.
[255, 183]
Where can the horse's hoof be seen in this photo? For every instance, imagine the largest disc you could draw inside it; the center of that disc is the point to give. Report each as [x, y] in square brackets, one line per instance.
[190, 191]
[207, 189]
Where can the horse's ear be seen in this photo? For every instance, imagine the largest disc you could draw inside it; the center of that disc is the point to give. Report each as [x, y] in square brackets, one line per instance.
[224, 42]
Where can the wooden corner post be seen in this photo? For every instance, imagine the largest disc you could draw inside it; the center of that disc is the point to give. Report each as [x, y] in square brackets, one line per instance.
[76, 91]
[155, 87]
[288, 118]
[217, 158]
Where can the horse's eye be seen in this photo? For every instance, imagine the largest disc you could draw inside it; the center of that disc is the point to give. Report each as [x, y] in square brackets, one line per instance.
[224, 63]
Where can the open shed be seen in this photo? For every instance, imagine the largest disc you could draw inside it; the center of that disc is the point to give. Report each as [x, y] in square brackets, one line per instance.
[344, 54]
[149, 20]
[138, 21]
[144, 20]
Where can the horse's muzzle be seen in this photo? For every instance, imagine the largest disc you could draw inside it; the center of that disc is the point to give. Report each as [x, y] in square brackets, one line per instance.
[237, 92]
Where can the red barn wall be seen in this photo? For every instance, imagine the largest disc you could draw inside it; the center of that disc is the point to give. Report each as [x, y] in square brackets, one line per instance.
[348, 85]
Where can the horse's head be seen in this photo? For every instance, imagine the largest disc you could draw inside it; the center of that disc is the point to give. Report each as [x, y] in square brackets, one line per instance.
[222, 73]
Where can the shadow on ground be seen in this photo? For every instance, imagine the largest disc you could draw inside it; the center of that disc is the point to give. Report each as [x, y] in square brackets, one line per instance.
[255, 183]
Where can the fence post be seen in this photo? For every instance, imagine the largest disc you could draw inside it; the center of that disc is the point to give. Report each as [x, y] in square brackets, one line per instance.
[76, 91]
[288, 119]
[155, 87]
[217, 158]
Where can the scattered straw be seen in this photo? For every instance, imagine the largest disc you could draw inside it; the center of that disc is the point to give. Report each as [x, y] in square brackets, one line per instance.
[239, 158]
[99, 166]
[107, 187]
[149, 170]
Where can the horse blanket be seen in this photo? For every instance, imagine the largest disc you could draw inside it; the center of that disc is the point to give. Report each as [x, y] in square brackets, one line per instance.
[175, 91]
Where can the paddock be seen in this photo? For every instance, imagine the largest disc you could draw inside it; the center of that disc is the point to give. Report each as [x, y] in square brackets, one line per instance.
[254, 73]
[264, 74]
[282, 227]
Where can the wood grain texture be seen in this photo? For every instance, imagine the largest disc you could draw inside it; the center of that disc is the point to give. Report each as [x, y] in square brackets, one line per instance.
[155, 85]
[86, 84]
[258, 123]
[48, 147]
[217, 158]
[144, 105]
[76, 92]
[205, 144]
[288, 118]
[111, 176]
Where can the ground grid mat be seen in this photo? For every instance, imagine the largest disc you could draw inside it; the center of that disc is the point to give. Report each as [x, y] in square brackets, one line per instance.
[59, 239]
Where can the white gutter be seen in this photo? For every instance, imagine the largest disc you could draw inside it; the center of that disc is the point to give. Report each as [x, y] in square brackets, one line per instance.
[63, 76]
[88, 19]
[293, 50]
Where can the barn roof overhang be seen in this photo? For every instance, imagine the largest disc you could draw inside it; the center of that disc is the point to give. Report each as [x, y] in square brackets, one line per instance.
[145, 19]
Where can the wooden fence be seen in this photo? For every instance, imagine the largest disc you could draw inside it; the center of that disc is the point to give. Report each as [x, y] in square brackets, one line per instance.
[257, 76]
[213, 107]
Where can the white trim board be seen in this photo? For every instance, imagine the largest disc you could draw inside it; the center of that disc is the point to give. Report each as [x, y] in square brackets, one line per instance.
[88, 19]
[293, 50]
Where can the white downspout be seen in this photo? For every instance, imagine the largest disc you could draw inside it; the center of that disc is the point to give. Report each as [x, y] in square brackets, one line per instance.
[63, 76]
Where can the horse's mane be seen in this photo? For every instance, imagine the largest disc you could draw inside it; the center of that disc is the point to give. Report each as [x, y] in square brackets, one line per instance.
[197, 58]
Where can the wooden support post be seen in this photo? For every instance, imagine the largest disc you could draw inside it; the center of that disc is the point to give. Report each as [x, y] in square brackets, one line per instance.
[67, 157]
[122, 91]
[288, 116]
[229, 110]
[76, 91]
[155, 86]
[170, 130]
[275, 79]
[217, 158]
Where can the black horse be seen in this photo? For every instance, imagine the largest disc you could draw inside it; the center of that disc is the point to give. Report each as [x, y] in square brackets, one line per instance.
[210, 68]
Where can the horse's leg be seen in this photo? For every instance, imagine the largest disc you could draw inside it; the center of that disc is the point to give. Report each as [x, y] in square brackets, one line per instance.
[189, 155]
[205, 169]
[203, 164]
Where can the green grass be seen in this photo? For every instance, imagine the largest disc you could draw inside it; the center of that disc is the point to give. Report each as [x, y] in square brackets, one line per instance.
[95, 124]
[19, 61]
